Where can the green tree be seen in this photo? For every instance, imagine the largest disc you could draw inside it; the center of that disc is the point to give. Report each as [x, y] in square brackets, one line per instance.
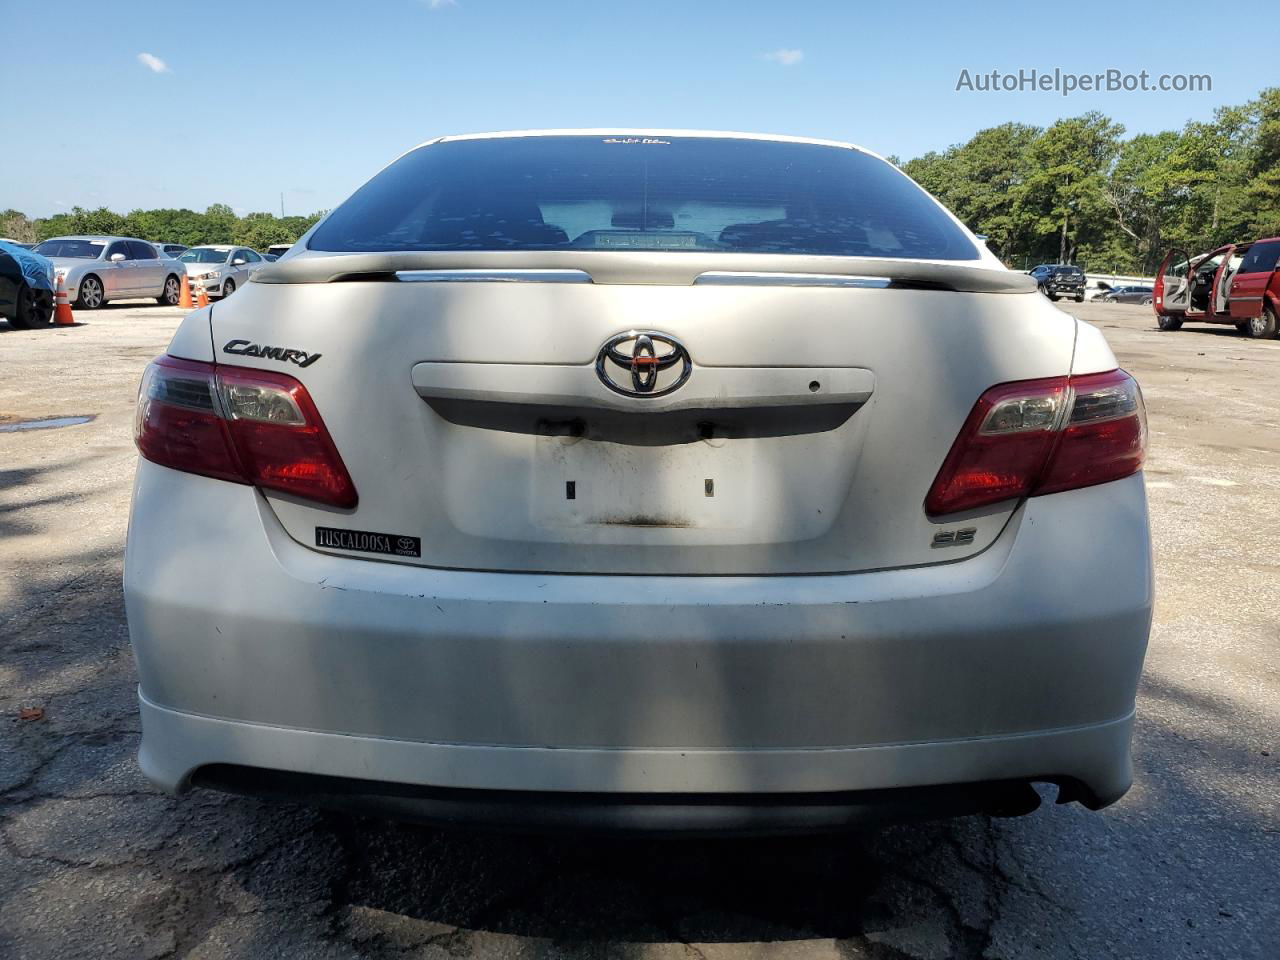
[1063, 193]
[14, 225]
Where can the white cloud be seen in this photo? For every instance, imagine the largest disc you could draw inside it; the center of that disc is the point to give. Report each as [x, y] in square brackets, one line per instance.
[153, 63]
[785, 57]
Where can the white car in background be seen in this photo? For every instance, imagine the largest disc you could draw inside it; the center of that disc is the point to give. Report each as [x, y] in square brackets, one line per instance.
[98, 269]
[640, 479]
[221, 268]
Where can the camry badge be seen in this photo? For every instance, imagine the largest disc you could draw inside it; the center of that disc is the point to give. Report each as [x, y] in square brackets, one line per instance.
[643, 364]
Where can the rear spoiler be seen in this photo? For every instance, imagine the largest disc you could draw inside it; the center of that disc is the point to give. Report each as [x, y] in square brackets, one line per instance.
[653, 267]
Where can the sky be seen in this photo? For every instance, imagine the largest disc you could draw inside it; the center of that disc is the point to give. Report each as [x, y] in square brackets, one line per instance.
[185, 103]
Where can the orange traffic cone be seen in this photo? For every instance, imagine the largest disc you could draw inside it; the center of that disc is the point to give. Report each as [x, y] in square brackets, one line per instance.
[202, 299]
[184, 298]
[62, 315]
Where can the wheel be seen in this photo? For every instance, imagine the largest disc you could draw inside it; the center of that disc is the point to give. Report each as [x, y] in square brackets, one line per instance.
[1146, 301]
[91, 296]
[1264, 326]
[1166, 322]
[228, 288]
[33, 309]
[1108, 299]
[40, 308]
[1243, 327]
[172, 291]
[1079, 298]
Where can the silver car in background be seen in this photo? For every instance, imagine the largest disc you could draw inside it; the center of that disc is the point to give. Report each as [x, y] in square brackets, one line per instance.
[640, 479]
[98, 269]
[220, 267]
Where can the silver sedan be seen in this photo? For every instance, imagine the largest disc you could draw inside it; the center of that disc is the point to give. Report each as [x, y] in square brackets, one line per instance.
[640, 480]
[97, 269]
[221, 267]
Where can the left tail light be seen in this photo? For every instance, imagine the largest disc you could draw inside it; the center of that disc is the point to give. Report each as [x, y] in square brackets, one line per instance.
[248, 426]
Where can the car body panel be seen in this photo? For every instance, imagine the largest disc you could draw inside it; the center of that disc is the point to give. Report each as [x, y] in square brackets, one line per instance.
[817, 493]
[1257, 280]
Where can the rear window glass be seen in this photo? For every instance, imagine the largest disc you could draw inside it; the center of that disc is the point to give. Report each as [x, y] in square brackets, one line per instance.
[1261, 258]
[628, 193]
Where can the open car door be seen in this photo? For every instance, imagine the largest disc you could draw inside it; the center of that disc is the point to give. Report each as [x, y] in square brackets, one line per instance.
[1217, 306]
[1173, 284]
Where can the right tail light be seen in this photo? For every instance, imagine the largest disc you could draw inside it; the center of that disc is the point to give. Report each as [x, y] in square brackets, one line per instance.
[1033, 437]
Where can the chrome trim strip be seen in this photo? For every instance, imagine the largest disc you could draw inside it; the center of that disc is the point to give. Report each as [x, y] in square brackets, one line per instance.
[1246, 298]
[494, 276]
[728, 278]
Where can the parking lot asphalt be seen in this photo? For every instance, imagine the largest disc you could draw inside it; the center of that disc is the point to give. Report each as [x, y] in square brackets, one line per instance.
[94, 862]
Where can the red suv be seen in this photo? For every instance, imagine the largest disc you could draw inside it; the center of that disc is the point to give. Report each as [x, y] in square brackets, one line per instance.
[1237, 284]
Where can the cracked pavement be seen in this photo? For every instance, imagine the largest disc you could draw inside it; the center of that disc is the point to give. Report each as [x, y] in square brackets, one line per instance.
[95, 863]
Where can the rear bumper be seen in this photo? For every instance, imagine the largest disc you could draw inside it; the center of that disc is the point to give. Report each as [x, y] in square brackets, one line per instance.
[635, 788]
[1018, 664]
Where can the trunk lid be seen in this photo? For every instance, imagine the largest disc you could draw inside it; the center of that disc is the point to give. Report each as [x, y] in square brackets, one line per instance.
[472, 417]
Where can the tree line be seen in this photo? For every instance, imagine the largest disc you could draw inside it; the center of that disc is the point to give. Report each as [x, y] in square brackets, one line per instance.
[1081, 192]
[1078, 191]
[218, 224]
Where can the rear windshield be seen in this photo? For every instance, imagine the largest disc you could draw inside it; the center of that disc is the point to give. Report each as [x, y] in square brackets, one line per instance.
[629, 193]
[77, 249]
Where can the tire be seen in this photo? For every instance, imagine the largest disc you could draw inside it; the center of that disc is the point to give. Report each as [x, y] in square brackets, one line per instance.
[1079, 298]
[1265, 325]
[91, 295]
[33, 309]
[228, 288]
[171, 293]
[1147, 301]
[1168, 323]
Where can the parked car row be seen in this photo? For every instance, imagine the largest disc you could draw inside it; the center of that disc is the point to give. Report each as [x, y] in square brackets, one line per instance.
[98, 269]
[1236, 284]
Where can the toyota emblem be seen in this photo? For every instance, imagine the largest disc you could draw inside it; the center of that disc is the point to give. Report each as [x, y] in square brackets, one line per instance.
[643, 364]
